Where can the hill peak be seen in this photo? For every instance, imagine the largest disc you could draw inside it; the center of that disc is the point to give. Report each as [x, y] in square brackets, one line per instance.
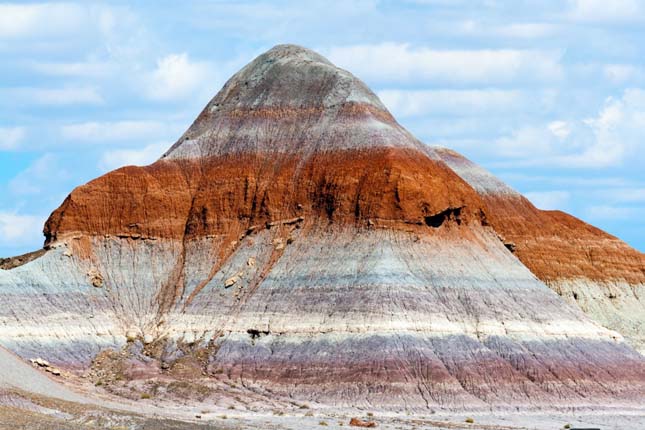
[286, 99]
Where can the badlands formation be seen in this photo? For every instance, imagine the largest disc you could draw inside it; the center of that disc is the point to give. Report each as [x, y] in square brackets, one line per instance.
[298, 243]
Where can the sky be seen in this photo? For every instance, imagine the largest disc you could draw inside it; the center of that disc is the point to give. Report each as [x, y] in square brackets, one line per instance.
[548, 95]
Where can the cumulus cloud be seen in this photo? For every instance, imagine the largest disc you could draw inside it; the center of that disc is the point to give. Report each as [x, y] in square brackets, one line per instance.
[518, 30]
[119, 131]
[531, 143]
[560, 129]
[11, 137]
[603, 212]
[92, 69]
[111, 160]
[567, 181]
[604, 11]
[63, 26]
[176, 77]
[529, 30]
[410, 103]
[71, 95]
[394, 62]
[549, 200]
[609, 139]
[618, 131]
[18, 230]
[38, 20]
[623, 195]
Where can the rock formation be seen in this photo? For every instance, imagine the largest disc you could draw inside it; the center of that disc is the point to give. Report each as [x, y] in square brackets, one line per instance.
[298, 240]
[586, 266]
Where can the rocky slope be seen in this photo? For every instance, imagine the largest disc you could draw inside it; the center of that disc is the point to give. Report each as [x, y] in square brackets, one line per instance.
[297, 240]
[587, 267]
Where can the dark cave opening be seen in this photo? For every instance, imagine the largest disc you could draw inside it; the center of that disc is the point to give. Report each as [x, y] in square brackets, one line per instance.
[438, 219]
[510, 246]
[255, 333]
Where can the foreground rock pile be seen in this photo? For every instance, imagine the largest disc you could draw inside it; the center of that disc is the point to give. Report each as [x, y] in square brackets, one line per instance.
[44, 364]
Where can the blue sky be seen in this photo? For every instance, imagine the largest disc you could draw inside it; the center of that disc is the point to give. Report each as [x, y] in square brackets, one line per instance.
[549, 95]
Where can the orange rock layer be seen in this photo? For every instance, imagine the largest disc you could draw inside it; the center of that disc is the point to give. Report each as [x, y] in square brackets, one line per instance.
[555, 245]
[195, 198]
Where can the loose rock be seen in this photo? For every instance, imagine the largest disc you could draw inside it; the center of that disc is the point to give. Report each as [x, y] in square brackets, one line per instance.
[131, 335]
[96, 279]
[231, 281]
[40, 362]
[53, 371]
[355, 422]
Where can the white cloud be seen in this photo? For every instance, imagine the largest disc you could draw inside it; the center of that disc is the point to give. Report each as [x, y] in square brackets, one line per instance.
[176, 77]
[120, 131]
[603, 212]
[529, 30]
[528, 142]
[618, 131]
[404, 103]
[519, 30]
[111, 160]
[606, 11]
[93, 69]
[442, 128]
[64, 26]
[610, 139]
[403, 63]
[549, 200]
[544, 145]
[10, 137]
[20, 230]
[65, 96]
[567, 181]
[39, 20]
[560, 129]
[623, 195]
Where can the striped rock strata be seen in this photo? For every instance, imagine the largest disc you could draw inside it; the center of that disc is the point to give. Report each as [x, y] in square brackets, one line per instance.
[297, 239]
[589, 268]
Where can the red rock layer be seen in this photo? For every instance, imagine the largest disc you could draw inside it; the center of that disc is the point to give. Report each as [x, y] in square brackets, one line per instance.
[555, 245]
[194, 198]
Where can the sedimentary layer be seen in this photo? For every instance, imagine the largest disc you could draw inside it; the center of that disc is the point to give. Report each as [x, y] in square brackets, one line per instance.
[177, 199]
[587, 267]
[388, 317]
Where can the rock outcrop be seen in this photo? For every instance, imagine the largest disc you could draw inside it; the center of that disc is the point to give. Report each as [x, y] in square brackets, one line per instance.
[297, 239]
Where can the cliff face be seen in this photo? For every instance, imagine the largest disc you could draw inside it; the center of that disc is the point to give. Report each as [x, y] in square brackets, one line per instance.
[188, 199]
[298, 240]
[289, 135]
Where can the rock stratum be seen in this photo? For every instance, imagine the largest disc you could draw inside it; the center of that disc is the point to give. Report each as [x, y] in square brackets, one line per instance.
[298, 241]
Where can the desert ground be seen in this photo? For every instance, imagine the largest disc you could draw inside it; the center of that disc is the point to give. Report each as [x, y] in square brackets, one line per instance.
[32, 399]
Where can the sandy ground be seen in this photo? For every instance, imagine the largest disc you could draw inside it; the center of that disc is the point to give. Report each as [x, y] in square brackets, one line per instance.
[30, 399]
[28, 412]
[19, 374]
